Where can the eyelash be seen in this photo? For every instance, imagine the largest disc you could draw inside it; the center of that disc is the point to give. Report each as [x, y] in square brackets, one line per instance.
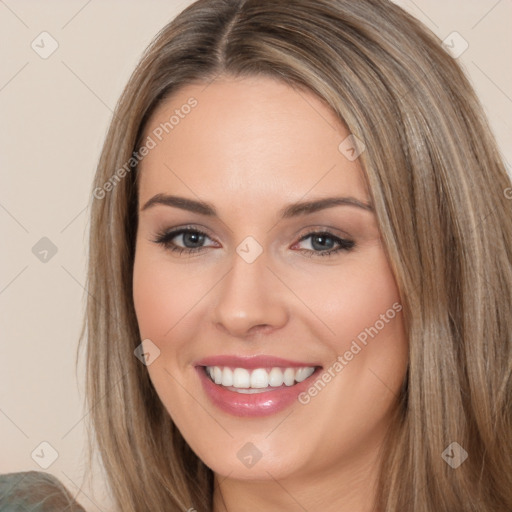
[165, 238]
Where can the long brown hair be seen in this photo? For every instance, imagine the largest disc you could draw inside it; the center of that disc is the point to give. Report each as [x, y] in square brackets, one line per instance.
[442, 199]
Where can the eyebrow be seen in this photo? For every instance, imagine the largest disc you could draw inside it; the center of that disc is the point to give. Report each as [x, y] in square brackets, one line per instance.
[289, 211]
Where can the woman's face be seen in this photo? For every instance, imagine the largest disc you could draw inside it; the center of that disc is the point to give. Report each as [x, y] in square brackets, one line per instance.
[263, 288]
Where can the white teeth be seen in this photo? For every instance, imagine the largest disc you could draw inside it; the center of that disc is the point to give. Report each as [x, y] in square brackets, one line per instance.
[241, 378]
[289, 376]
[227, 377]
[259, 378]
[217, 375]
[303, 373]
[275, 377]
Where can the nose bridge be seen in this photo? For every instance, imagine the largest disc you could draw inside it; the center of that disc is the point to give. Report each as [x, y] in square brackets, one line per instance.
[249, 294]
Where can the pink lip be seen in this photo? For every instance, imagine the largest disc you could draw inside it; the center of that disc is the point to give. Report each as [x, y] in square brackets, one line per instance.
[255, 404]
[251, 362]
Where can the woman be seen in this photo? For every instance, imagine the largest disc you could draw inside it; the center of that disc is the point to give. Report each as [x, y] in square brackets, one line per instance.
[300, 270]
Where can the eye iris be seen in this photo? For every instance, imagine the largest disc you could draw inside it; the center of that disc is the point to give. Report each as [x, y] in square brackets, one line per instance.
[322, 244]
[195, 238]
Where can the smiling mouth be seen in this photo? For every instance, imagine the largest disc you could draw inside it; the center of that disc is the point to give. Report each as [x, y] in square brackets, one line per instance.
[257, 380]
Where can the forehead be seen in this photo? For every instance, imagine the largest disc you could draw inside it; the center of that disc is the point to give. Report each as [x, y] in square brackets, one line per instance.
[244, 140]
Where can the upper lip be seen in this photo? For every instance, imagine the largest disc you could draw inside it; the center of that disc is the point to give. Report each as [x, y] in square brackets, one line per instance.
[251, 362]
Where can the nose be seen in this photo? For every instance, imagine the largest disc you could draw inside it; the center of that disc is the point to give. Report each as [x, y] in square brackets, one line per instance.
[250, 299]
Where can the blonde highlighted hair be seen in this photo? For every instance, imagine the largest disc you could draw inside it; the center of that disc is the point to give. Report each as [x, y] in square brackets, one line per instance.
[442, 199]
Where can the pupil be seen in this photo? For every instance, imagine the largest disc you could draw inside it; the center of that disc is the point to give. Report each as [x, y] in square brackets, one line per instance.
[196, 238]
[322, 241]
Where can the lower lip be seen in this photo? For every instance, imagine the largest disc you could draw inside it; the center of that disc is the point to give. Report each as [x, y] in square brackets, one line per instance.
[254, 404]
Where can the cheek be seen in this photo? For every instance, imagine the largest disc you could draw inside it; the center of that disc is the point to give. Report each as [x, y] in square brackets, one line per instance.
[164, 301]
[162, 295]
[367, 294]
[371, 321]
[351, 299]
[153, 298]
[149, 297]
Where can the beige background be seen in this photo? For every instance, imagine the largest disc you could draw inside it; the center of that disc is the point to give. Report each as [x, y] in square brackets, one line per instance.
[54, 116]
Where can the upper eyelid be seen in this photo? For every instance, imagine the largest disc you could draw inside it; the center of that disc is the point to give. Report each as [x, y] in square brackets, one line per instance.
[185, 229]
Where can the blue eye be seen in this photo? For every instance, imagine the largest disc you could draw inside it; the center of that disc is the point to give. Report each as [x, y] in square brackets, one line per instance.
[326, 240]
[190, 236]
[326, 243]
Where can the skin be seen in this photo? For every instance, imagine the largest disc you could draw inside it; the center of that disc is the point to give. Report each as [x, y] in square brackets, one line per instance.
[251, 147]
